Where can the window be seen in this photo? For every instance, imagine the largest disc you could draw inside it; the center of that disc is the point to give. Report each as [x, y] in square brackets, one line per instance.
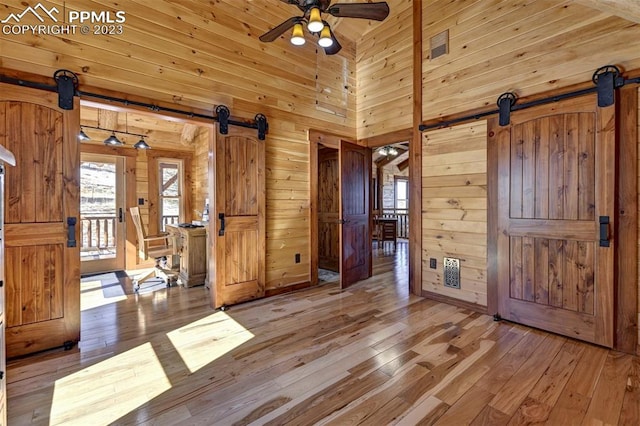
[401, 193]
[170, 202]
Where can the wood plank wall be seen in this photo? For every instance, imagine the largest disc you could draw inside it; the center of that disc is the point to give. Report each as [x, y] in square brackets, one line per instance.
[384, 74]
[638, 350]
[454, 206]
[201, 54]
[529, 47]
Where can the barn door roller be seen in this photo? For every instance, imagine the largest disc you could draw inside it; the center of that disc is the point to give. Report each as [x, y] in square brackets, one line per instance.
[607, 79]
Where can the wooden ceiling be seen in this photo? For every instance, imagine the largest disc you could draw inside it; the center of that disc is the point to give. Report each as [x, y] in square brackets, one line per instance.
[627, 9]
[159, 132]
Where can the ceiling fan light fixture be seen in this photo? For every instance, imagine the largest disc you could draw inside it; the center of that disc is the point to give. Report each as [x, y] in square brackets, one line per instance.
[325, 37]
[315, 24]
[297, 35]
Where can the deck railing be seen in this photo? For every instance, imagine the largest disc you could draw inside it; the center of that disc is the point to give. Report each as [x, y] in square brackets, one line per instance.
[98, 233]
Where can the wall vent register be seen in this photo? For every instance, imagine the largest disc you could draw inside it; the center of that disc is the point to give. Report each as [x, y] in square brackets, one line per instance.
[451, 272]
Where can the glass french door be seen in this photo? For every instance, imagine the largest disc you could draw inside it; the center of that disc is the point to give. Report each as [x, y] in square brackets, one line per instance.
[102, 220]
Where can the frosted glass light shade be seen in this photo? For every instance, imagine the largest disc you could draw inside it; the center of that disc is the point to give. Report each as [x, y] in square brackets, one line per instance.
[325, 37]
[315, 21]
[297, 35]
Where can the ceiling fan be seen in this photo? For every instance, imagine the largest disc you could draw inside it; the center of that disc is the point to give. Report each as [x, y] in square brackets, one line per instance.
[312, 11]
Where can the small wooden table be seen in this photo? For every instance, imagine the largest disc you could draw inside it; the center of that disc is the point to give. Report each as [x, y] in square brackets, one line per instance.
[191, 244]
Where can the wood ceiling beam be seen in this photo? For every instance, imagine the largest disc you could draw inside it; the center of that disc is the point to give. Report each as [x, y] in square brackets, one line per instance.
[189, 132]
[627, 9]
[403, 165]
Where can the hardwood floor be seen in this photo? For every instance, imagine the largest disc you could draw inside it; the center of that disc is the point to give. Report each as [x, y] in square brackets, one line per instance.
[370, 355]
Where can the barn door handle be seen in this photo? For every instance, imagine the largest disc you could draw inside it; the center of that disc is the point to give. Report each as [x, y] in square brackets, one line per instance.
[604, 231]
[71, 231]
[221, 230]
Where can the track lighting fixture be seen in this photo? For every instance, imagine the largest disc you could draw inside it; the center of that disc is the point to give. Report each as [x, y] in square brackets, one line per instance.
[113, 140]
[141, 144]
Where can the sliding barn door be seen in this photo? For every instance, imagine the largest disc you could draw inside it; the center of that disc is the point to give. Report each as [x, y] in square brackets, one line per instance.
[355, 244]
[556, 175]
[238, 216]
[41, 198]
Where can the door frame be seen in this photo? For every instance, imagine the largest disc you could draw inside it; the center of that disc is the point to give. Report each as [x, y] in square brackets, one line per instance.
[332, 140]
[119, 262]
[129, 155]
[626, 219]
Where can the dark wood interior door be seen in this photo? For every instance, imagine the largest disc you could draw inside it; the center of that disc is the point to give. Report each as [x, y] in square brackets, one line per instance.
[556, 177]
[355, 244]
[238, 217]
[328, 209]
[41, 198]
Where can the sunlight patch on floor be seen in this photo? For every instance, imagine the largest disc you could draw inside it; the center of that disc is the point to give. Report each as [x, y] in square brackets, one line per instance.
[106, 391]
[208, 339]
[93, 293]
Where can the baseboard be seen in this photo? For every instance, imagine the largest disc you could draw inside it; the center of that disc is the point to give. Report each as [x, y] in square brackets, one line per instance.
[455, 302]
[288, 289]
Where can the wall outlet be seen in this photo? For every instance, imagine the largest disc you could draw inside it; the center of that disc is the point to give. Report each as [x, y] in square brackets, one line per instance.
[433, 263]
[141, 201]
[297, 257]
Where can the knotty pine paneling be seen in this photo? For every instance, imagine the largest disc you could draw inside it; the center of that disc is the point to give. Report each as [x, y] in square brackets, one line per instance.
[384, 73]
[454, 209]
[529, 47]
[201, 54]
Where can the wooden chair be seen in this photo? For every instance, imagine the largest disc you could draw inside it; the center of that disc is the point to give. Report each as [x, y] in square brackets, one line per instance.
[389, 231]
[158, 252]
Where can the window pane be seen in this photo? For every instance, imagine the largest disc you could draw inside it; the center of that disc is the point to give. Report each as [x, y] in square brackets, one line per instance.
[402, 204]
[170, 182]
[401, 190]
[170, 207]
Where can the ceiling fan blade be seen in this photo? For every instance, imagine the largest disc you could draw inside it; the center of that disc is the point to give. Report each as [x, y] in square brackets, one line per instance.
[376, 11]
[280, 29]
[334, 48]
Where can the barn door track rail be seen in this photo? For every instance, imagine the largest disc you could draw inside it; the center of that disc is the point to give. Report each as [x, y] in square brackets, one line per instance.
[67, 87]
[606, 80]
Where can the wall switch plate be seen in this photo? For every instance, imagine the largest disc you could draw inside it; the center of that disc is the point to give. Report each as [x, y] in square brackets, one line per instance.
[297, 257]
[433, 263]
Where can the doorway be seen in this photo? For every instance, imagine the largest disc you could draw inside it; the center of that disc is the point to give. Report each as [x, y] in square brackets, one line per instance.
[328, 215]
[351, 225]
[102, 214]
